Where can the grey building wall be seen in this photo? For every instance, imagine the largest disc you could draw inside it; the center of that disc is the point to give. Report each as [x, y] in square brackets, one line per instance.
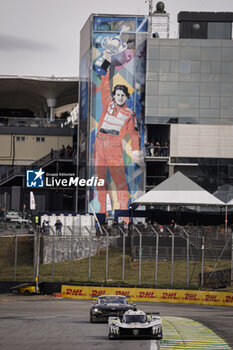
[189, 81]
[201, 141]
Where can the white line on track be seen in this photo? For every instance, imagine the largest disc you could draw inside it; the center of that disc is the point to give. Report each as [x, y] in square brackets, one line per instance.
[154, 345]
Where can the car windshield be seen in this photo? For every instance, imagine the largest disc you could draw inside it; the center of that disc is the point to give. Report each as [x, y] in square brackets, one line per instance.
[112, 301]
[135, 318]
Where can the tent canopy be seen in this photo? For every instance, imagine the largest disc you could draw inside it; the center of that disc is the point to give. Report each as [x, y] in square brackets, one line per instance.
[178, 190]
[230, 202]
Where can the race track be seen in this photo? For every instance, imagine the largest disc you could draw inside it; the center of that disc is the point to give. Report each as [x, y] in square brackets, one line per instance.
[47, 323]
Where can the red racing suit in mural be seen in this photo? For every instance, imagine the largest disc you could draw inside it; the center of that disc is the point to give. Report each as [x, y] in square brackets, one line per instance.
[114, 124]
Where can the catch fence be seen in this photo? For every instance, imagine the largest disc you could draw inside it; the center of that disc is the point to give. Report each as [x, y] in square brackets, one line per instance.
[141, 254]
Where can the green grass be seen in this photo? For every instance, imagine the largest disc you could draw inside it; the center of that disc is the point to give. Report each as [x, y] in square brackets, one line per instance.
[80, 270]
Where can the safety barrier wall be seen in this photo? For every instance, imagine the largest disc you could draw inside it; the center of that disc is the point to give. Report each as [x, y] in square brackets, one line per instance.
[151, 295]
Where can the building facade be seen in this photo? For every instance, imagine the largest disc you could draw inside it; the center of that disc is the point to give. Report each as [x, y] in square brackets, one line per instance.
[186, 100]
[32, 136]
[189, 101]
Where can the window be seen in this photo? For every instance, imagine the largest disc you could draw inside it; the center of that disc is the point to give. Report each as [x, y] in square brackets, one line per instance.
[40, 139]
[218, 30]
[20, 138]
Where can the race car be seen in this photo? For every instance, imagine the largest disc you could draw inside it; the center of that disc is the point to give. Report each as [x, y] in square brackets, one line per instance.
[109, 305]
[135, 324]
[26, 288]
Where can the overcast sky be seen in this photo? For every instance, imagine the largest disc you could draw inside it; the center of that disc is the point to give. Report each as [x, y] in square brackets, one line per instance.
[41, 37]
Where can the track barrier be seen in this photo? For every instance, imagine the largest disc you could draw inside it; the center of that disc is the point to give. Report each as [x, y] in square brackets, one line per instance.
[151, 295]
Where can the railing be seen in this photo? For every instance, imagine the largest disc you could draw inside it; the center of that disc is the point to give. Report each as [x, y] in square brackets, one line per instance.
[32, 122]
[21, 170]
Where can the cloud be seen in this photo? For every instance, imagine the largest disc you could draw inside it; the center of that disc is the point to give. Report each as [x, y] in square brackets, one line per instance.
[14, 43]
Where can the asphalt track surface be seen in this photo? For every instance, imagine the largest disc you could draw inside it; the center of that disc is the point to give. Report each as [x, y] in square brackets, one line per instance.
[47, 323]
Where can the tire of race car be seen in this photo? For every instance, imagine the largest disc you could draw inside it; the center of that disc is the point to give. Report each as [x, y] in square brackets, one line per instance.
[91, 319]
[27, 292]
[111, 337]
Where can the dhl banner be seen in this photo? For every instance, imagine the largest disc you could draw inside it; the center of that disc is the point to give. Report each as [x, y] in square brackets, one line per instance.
[151, 295]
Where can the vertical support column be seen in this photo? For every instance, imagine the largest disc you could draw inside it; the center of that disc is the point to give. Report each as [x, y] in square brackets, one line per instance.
[51, 104]
[171, 170]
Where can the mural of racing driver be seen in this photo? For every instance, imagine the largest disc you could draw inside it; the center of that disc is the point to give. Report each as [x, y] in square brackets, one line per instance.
[116, 122]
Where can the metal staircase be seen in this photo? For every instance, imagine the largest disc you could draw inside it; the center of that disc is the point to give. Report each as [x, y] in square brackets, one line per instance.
[20, 171]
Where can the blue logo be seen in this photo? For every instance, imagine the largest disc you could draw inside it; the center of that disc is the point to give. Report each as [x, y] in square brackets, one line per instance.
[35, 178]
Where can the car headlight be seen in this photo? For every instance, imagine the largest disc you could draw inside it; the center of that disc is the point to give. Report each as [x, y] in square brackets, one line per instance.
[97, 310]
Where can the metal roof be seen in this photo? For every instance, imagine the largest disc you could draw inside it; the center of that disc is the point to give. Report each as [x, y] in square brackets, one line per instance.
[22, 92]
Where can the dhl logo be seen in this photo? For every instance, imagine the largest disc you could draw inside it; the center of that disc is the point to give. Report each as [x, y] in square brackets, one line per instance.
[190, 296]
[74, 291]
[209, 297]
[96, 293]
[169, 296]
[122, 292]
[229, 299]
[149, 295]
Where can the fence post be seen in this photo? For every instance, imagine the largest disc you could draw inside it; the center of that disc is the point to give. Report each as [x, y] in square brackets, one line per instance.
[71, 251]
[140, 255]
[89, 262]
[123, 257]
[38, 262]
[187, 245]
[172, 257]
[202, 259]
[34, 255]
[53, 252]
[232, 258]
[156, 254]
[106, 263]
[16, 254]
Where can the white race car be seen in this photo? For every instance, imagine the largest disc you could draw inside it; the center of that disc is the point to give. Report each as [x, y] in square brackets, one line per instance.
[135, 324]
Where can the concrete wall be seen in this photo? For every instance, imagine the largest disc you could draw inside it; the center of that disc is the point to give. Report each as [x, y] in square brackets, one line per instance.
[62, 247]
[25, 149]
